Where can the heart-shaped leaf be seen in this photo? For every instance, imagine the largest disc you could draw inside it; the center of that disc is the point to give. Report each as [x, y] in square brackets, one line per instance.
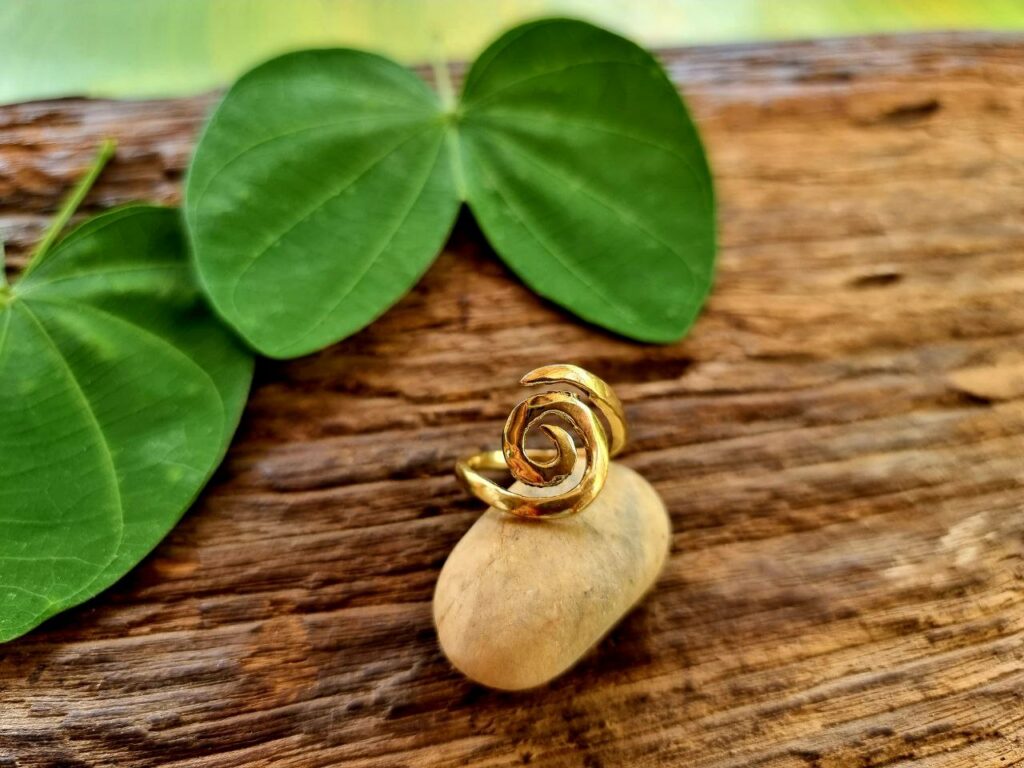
[326, 182]
[587, 175]
[121, 392]
[320, 192]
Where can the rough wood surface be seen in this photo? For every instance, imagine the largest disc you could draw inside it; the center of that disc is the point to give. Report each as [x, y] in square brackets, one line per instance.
[840, 443]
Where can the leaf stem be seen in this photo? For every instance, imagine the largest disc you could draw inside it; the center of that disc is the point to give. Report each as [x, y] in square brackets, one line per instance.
[449, 103]
[443, 80]
[3, 267]
[70, 205]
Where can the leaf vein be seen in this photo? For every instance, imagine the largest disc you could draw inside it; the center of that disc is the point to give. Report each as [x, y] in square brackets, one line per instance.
[623, 213]
[155, 337]
[317, 207]
[390, 238]
[469, 102]
[626, 312]
[77, 386]
[215, 174]
[548, 118]
[50, 559]
[85, 274]
[46, 598]
[89, 227]
[8, 314]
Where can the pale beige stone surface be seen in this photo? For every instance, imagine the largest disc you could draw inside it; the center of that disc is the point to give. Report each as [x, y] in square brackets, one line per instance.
[520, 601]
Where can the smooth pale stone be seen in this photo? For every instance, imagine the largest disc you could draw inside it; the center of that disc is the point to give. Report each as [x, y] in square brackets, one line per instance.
[520, 601]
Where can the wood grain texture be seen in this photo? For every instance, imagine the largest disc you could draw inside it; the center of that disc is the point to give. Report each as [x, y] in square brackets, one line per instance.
[840, 443]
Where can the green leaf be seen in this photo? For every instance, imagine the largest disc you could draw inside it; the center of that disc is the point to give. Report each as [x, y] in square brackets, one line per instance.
[123, 392]
[320, 191]
[587, 175]
[326, 183]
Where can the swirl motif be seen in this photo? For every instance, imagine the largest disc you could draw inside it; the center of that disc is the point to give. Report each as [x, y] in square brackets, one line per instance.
[583, 413]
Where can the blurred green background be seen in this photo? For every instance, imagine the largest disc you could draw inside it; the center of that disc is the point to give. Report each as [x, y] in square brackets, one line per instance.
[150, 48]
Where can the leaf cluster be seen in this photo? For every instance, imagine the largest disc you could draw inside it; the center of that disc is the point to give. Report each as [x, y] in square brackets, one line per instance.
[324, 185]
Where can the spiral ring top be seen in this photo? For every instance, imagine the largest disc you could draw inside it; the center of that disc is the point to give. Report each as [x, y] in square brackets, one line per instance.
[583, 414]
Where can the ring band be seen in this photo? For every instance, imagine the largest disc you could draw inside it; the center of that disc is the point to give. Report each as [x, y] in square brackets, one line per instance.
[595, 415]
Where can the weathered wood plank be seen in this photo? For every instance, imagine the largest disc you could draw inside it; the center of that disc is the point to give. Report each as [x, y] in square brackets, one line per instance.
[840, 443]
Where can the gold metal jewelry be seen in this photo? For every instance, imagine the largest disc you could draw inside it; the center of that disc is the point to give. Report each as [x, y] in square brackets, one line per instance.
[547, 468]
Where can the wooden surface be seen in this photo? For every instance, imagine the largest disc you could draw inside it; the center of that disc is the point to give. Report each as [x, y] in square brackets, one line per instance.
[840, 443]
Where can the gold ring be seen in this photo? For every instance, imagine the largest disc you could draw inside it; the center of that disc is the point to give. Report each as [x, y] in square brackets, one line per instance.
[595, 415]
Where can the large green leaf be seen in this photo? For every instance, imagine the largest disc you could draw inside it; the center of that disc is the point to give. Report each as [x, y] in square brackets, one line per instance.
[122, 392]
[326, 182]
[320, 192]
[587, 175]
